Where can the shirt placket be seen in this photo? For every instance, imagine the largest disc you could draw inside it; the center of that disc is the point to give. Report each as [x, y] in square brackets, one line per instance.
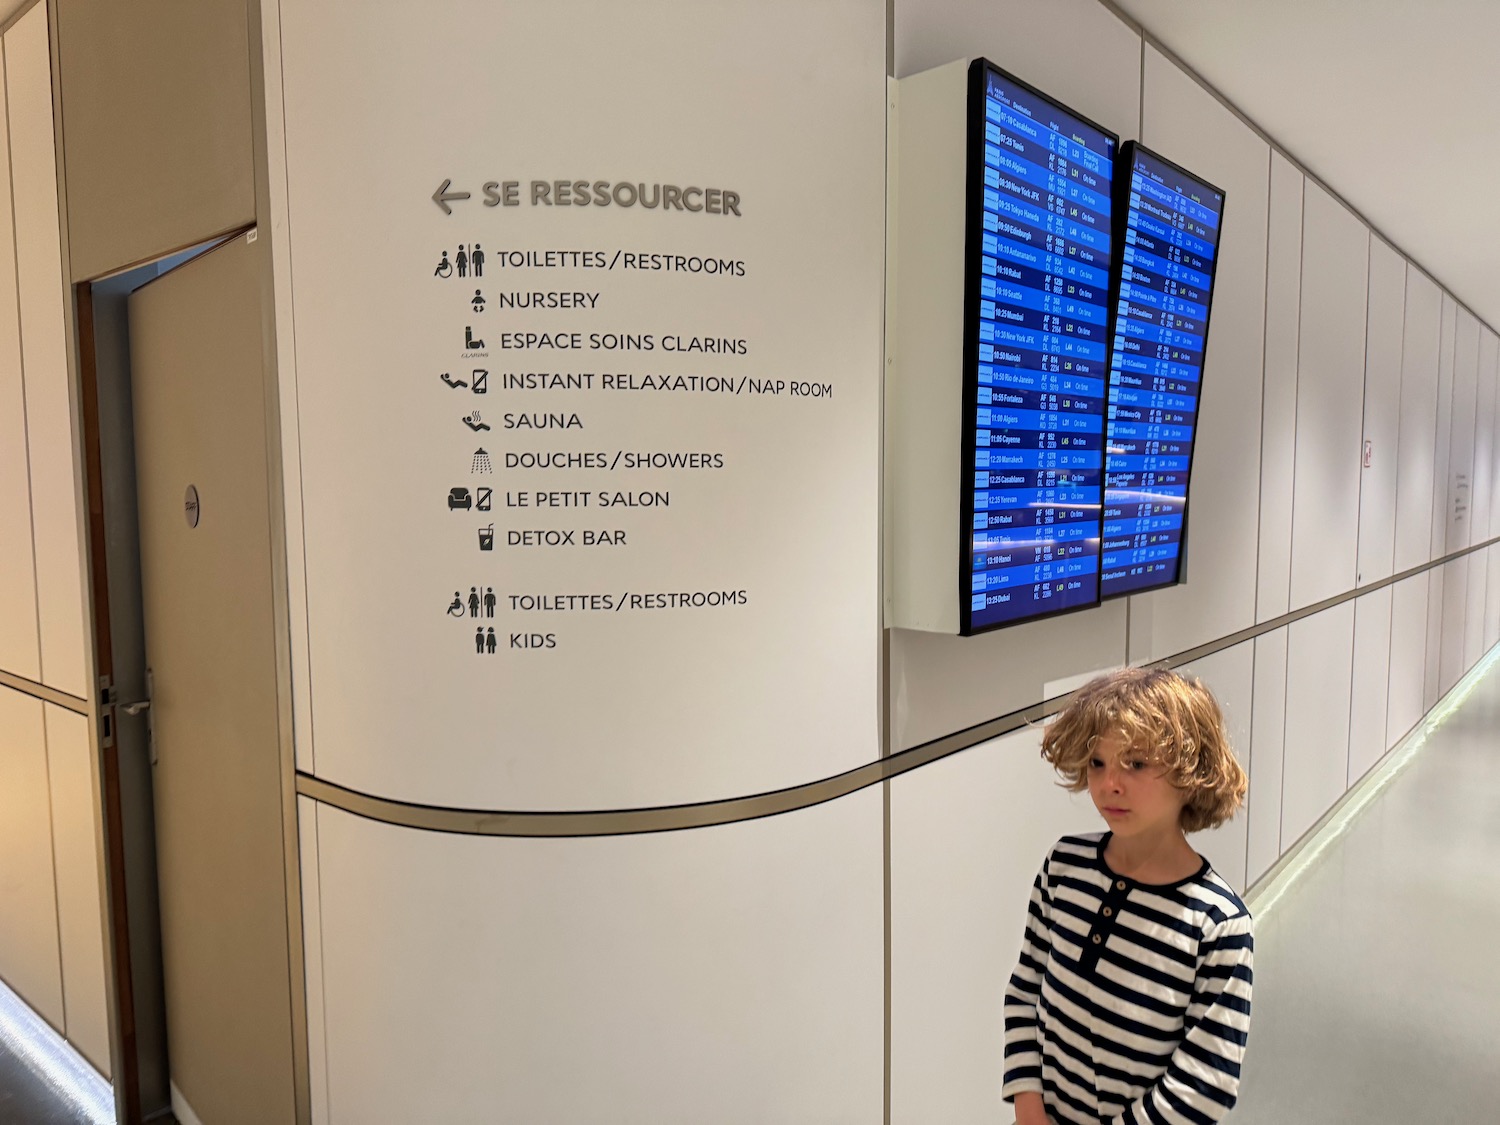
[1105, 922]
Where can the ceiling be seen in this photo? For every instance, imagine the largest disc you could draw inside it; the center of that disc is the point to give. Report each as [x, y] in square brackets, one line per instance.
[1394, 104]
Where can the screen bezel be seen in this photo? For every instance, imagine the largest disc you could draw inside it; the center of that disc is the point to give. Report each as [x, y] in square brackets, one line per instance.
[1119, 222]
[973, 253]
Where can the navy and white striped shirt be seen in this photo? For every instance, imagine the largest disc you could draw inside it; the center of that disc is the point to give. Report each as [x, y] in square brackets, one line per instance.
[1131, 1001]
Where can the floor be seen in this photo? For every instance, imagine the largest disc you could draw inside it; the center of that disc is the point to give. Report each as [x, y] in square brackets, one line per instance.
[1377, 973]
[28, 1099]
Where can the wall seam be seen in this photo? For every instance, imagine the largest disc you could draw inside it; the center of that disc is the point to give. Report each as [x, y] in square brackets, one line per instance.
[1265, 367]
[1359, 517]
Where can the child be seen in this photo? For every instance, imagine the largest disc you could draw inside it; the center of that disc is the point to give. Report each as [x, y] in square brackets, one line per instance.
[1131, 1002]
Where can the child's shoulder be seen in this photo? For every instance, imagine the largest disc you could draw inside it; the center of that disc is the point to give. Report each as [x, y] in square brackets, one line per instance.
[1076, 849]
[1221, 902]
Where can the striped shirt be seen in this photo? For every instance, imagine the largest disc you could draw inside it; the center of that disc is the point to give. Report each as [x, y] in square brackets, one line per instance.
[1131, 1001]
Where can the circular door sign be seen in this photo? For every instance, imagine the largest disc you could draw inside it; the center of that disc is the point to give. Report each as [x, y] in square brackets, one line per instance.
[190, 505]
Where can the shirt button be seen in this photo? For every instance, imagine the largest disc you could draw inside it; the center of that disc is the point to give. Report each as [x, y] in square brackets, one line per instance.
[1120, 886]
[1109, 912]
[1097, 939]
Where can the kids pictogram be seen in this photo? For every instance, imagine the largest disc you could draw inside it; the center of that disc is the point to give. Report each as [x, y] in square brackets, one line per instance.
[478, 301]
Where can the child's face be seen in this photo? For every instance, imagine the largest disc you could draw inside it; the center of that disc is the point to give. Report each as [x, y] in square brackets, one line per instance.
[1134, 798]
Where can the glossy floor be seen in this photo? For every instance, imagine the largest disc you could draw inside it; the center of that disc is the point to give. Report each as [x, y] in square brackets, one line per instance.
[1377, 975]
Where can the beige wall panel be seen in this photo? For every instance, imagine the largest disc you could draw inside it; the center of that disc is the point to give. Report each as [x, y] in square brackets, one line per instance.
[1377, 483]
[1418, 422]
[28, 920]
[1186, 124]
[1460, 508]
[1319, 682]
[1447, 348]
[1267, 754]
[44, 362]
[1408, 668]
[1437, 579]
[80, 912]
[156, 109]
[1478, 594]
[1480, 527]
[1370, 696]
[1278, 421]
[19, 645]
[1330, 399]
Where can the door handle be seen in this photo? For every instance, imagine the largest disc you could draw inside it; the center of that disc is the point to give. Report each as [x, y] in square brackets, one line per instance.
[134, 709]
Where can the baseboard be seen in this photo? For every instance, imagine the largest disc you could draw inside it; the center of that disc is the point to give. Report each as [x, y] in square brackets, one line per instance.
[181, 1110]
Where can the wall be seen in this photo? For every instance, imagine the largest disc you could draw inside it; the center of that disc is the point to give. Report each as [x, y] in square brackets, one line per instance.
[156, 115]
[52, 940]
[1323, 337]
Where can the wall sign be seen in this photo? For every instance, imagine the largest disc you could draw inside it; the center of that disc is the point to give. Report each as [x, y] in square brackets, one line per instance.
[588, 433]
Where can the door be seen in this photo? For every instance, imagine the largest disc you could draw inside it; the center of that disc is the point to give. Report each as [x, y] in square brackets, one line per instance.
[203, 483]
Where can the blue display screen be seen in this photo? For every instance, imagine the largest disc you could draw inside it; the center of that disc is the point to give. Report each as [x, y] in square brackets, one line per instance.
[1040, 311]
[1166, 287]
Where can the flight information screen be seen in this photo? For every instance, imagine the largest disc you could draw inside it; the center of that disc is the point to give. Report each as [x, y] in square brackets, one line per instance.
[1037, 353]
[1168, 248]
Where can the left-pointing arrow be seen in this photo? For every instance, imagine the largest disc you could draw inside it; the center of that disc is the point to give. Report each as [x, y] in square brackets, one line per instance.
[442, 196]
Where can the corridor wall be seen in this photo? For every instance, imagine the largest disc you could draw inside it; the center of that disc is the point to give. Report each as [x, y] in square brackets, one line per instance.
[1323, 337]
[52, 942]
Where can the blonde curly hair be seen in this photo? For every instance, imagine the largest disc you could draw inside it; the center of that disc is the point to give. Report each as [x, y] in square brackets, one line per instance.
[1172, 720]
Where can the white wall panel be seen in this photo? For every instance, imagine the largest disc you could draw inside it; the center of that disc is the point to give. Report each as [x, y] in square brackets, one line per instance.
[1330, 390]
[28, 919]
[1461, 432]
[1455, 621]
[1320, 654]
[1267, 754]
[1370, 691]
[729, 974]
[1184, 122]
[1278, 450]
[1418, 424]
[1432, 673]
[1099, 75]
[19, 645]
[54, 489]
[1385, 322]
[968, 834]
[1440, 501]
[1477, 566]
[1484, 437]
[940, 684]
[1408, 669]
[1492, 599]
[1230, 675]
[80, 910]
